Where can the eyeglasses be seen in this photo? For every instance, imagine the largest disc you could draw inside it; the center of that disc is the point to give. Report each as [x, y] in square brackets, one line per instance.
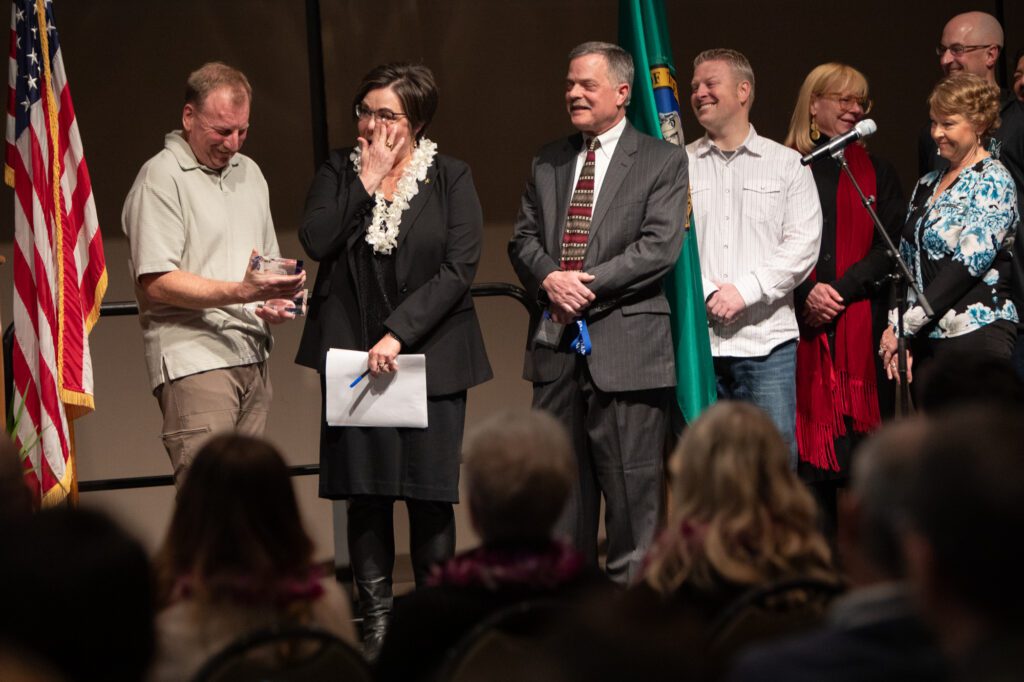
[957, 49]
[848, 102]
[381, 115]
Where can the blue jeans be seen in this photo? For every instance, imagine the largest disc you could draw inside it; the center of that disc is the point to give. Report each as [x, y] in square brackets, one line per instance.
[768, 381]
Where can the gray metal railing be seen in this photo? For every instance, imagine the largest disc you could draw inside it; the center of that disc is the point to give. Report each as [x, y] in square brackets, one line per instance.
[127, 308]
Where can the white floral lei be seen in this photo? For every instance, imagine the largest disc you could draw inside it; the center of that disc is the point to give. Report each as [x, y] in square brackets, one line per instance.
[382, 232]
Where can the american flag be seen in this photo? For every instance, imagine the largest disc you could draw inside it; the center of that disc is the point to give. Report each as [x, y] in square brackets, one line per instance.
[59, 270]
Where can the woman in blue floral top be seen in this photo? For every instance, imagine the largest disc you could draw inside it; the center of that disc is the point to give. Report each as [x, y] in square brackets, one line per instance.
[959, 232]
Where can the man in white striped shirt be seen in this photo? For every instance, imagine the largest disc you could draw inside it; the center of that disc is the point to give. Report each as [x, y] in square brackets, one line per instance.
[758, 228]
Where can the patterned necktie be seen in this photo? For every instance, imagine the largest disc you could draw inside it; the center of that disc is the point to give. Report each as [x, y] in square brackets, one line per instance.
[581, 210]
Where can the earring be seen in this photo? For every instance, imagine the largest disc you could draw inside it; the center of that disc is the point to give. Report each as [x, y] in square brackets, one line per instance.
[815, 133]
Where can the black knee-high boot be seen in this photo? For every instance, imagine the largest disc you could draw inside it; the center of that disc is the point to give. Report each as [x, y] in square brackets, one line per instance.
[371, 541]
[431, 536]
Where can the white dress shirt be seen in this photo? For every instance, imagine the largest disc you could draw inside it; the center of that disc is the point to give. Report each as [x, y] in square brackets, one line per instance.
[602, 155]
[758, 224]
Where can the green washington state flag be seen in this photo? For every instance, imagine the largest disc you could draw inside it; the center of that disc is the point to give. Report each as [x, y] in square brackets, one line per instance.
[654, 110]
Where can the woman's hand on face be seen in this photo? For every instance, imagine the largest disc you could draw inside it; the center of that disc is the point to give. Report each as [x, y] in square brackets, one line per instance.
[380, 154]
[383, 357]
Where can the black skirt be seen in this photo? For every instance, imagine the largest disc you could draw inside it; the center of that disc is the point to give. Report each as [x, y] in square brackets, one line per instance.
[419, 464]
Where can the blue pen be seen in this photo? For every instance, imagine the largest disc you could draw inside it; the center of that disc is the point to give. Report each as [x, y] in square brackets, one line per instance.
[358, 379]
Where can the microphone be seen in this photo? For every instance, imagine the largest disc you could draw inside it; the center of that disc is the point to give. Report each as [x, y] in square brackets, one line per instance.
[862, 129]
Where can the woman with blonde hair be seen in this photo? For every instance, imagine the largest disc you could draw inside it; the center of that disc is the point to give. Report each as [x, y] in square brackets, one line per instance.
[959, 234]
[740, 517]
[837, 372]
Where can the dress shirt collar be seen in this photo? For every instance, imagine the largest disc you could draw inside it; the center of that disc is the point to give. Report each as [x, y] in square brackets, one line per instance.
[753, 145]
[608, 139]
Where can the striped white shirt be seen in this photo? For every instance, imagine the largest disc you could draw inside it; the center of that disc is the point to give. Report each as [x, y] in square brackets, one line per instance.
[758, 224]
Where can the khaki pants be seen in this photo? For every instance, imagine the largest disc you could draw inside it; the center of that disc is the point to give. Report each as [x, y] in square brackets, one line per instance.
[198, 406]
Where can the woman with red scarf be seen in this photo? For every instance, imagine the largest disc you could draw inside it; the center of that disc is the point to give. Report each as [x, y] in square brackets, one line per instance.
[837, 375]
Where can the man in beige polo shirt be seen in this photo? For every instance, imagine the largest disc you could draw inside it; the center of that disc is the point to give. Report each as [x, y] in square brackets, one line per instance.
[196, 215]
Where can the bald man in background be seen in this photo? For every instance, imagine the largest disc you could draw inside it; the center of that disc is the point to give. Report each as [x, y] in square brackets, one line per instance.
[972, 42]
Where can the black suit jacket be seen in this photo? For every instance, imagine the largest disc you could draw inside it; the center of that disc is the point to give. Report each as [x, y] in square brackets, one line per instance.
[439, 245]
[896, 650]
[873, 635]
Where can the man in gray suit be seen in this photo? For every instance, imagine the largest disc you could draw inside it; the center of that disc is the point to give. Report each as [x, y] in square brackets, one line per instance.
[600, 224]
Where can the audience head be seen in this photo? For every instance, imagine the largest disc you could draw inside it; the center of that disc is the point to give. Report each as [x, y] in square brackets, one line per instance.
[519, 470]
[874, 513]
[722, 89]
[739, 514]
[236, 531]
[406, 90]
[76, 593]
[958, 379]
[978, 38]
[833, 98]
[966, 518]
[15, 495]
[598, 86]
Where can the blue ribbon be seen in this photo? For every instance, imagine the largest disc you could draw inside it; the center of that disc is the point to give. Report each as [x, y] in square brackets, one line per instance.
[581, 344]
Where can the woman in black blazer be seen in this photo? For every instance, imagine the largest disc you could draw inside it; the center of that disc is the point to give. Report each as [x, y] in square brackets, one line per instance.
[397, 231]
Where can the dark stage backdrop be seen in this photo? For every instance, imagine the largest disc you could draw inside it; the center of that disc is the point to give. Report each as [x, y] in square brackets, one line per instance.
[500, 67]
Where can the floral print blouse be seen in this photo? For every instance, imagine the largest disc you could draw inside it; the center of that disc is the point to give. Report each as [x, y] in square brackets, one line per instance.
[958, 248]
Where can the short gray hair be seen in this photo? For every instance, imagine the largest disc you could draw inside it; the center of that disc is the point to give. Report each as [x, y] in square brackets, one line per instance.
[620, 62]
[519, 469]
[736, 60]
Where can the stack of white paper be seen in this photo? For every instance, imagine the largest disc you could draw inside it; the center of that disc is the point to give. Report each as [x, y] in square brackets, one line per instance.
[392, 399]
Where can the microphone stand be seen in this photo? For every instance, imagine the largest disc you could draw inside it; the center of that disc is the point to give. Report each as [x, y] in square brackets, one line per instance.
[899, 277]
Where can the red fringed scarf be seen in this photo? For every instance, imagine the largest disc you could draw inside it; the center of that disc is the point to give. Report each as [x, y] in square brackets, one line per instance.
[826, 391]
